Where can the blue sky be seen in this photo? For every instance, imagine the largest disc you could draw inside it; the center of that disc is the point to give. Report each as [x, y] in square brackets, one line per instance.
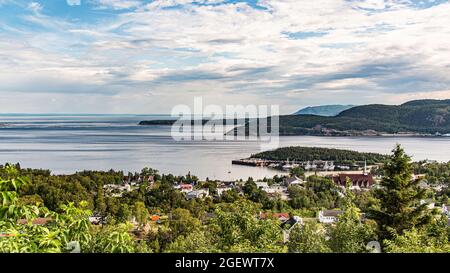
[146, 56]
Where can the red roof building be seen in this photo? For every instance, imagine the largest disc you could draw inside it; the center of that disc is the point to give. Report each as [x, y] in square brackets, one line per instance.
[358, 180]
[282, 216]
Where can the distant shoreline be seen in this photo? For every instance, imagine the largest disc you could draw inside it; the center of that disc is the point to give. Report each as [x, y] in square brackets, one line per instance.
[366, 133]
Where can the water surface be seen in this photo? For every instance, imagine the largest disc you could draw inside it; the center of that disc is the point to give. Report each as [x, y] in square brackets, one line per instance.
[65, 144]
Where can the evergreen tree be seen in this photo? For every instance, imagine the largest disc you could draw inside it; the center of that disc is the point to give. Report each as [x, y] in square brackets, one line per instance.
[100, 205]
[399, 195]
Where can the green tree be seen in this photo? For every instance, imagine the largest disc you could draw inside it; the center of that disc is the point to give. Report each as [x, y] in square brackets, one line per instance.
[297, 171]
[182, 222]
[239, 230]
[399, 196]
[100, 204]
[116, 239]
[415, 241]
[141, 214]
[307, 238]
[124, 214]
[71, 225]
[350, 235]
[197, 241]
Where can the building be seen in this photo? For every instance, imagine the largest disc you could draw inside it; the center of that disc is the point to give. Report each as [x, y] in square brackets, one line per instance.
[201, 193]
[429, 202]
[288, 225]
[262, 185]
[221, 190]
[186, 188]
[116, 190]
[277, 191]
[329, 216]
[97, 220]
[226, 184]
[358, 180]
[294, 180]
[282, 216]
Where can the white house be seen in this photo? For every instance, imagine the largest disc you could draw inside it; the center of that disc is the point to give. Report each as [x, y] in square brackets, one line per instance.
[262, 185]
[275, 189]
[116, 190]
[429, 202]
[288, 225]
[294, 181]
[329, 216]
[221, 190]
[201, 193]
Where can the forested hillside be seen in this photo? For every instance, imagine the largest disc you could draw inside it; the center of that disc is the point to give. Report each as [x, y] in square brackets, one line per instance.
[417, 117]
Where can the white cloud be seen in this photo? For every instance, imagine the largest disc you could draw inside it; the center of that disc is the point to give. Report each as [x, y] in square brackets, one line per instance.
[73, 2]
[231, 51]
[35, 7]
[118, 4]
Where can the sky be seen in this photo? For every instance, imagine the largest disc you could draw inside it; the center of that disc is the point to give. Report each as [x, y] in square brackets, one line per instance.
[146, 56]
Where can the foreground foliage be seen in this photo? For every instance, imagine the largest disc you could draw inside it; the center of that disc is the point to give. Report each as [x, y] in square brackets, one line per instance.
[391, 214]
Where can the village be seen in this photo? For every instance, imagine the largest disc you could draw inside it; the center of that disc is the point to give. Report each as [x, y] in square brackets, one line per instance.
[361, 179]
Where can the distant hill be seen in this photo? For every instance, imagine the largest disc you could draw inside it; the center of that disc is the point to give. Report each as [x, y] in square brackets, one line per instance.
[323, 110]
[419, 117]
[415, 117]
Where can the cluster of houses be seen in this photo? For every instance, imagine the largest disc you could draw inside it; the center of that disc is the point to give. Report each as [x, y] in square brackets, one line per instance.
[128, 184]
[188, 189]
[361, 181]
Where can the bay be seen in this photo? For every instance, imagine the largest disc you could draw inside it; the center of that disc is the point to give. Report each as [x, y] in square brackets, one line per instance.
[70, 143]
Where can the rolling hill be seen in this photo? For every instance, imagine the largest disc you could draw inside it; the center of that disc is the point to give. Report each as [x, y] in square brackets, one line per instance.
[420, 117]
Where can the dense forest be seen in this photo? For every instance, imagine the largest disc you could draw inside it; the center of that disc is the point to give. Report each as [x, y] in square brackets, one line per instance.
[297, 153]
[157, 217]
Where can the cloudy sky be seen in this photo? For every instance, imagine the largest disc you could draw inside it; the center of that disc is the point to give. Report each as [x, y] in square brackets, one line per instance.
[136, 56]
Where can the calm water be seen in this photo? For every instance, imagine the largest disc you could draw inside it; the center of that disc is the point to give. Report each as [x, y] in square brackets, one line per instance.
[66, 144]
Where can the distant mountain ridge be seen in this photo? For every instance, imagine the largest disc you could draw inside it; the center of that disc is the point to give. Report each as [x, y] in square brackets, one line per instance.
[419, 117]
[323, 110]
